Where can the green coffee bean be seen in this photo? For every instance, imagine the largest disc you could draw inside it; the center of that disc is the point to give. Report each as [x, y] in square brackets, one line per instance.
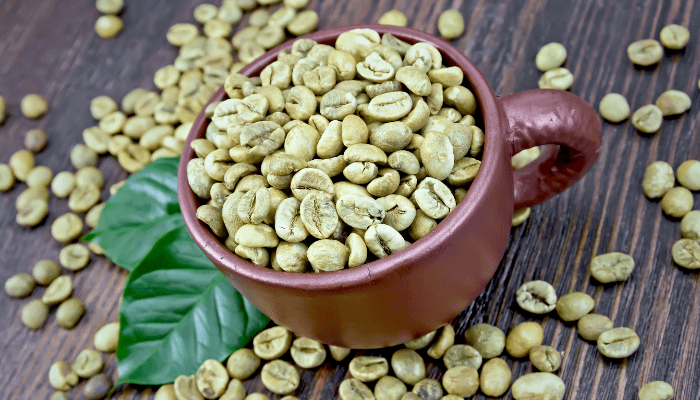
[82, 198]
[545, 358]
[573, 306]
[451, 24]
[167, 392]
[89, 176]
[688, 174]
[443, 342]
[308, 353]
[686, 253]
[21, 162]
[108, 26]
[303, 23]
[648, 119]
[618, 342]
[74, 257]
[614, 108]
[242, 363]
[557, 78]
[82, 156]
[395, 18]
[550, 56]
[611, 267]
[690, 225]
[538, 385]
[677, 202]
[673, 102]
[428, 389]
[7, 178]
[69, 312]
[353, 389]
[234, 391]
[97, 387]
[60, 289]
[185, 387]
[102, 105]
[487, 339]
[33, 106]
[645, 52]
[256, 396]
[39, 176]
[408, 366]
[45, 271]
[34, 314]
[109, 6]
[63, 184]
[592, 325]
[67, 228]
[520, 215]
[495, 377]
[35, 140]
[106, 338]
[31, 194]
[61, 376]
[59, 396]
[389, 388]
[92, 218]
[272, 343]
[462, 354]
[32, 213]
[524, 337]
[338, 353]
[211, 379]
[461, 381]
[656, 390]
[280, 377]
[537, 297]
[20, 285]
[88, 363]
[658, 179]
[368, 368]
[674, 37]
[525, 157]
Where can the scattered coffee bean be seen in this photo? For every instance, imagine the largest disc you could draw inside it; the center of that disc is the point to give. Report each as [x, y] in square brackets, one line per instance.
[677, 202]
[550, 56]
[74, 257]
[524, 337]
[107, 338]
[369, 368]
[35, 140]
[538, 385]
[537, 297]
[88, 363]
[21, 162]
[20, 285]
[97, 387]
[242, 363]
[451, 24]
[60, 289]
[656, 390]
[462, 354]
[62, 376]
[7, 178]
[272, 343]
[648, 119]
[33, 106]
[45, 271]
[674, 37]
[395, 18]
[487, 339]
[645, 52]
[573, 306]
[545, 358]
[658, 179]
[185, 387]
[428, 389]
[462, 381]
[611, 267]
[557, 78]
[614, 108]
[443, 342]
[353, 389]
[34, 314]
[495, 377]
[688, 174]
[673, 102]
[389, 388]
[690, 225]
[520, 216]
[70, 312]
[108, 26]
[280, 377]
[408, 366]
[110, 6]
[686, 253]
[338, 353]
[618, 342]
[212, 379]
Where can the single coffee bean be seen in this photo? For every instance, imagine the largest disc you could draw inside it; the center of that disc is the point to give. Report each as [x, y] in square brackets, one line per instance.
[74, 257]
[614, 108]
[557, 78]
[63, 184]
[272, 343]
[537, 297]
[658, 179]
[487, 339]
[590, 326]
[21, 163]
[31, 194]
[61, 376]
[88, 363]
[383, 240]
[60, 289]
[242, 364]
[97, 387]
[657, 390]
[524, 157]
[280, 377]
[185, 387]
[360, 211]
[167, 392]
[20, 285]
[353, 389]
[32, 213]
[39, 176]
[389, 388]
[70, 312]
[234, 391]
[368, 368]
[212, 379]
[673, 102]
[107, 338]
[462, 354]
[462, 381]
[7, 178]
[443, 342]
[495, 377]
[395, 18]
[645, 52]
[58, 395]
[686, 253]
[573, 306]
[677, 202]
[542, 385]
[34, 314]
[45, 271]
[451, 24]
[318, 215]
[550, 56]
[520, 215]
[408, 366]
[308, 353]
[648, 119]
[674, 37]
[428, 389]
[35, 140]
[434, 198]
[82, 198]
[618, 342]
[33, 106]
[338, 353]
[524, 337]
[92, 218]
[611, 267]
[690, 226]
[545, 358]
[688, 174]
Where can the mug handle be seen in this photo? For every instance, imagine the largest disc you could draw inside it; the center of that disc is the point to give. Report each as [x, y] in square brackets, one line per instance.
[551, 117]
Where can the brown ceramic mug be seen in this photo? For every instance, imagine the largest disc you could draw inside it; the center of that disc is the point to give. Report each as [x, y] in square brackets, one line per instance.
[415, 291]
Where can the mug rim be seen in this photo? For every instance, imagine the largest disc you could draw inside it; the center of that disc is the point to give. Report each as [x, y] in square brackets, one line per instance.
[351, 279]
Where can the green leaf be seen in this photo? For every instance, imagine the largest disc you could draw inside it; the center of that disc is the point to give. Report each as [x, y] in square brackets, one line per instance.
[144, 210]
[178, 311]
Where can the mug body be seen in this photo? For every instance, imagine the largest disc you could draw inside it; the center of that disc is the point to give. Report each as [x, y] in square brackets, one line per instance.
[410, 293]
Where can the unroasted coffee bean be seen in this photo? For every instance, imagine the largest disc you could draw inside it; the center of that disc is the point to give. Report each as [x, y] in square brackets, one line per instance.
[557, 78]
[645, 52]
[261, 235]
[242, 363]
[310, 180]
[524, 337]
[212, 379]
[368, 368]
[279, 377]
[185, 387]
[338, 353]
[106, 338]
[688, 174]
[389, 388]
[359, 211]
[33, 106]
[686, 253]
[272, 343]
[673, 102]
[538, 385]
[20, 285]
[487, 339]
[383, 240]
[88, 363]
[690, 225]
[308, 353]
[462, 381]
[353, 389]
[618, 342]
[328, 255]
[70, 312]
[74, 257]
[573, 306]
[408, 366]
[234, 391]
[545, 358]
[35, 140]
[97, 387]
[34, 314]
[677, 202]
[648, 119]
[7, 178]
[495, 377]
[428, 389]
[519, 216]
[614, 108]
[592, 325]
[611, 267]
[318, 215]
[434, 198]
[437, 155]
[60, 289]
[32, 213]
[399, 211]
[462, 354]
[21, 162]
[45, 271]
[550, 56]
[395, 18]
[537, 297]
[108, 26]
[167, 392]
[656, 390]
[61, 376]
[658, 179]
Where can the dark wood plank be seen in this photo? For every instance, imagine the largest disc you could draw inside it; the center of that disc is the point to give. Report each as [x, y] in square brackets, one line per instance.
[49, 47]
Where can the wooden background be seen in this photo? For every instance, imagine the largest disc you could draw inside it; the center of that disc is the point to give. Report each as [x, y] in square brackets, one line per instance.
[49, 47]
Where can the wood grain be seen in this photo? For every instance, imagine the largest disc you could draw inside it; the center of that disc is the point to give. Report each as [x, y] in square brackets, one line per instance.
[49, 47]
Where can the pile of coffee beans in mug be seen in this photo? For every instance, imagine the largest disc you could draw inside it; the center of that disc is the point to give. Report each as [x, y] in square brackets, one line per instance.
[336, 155]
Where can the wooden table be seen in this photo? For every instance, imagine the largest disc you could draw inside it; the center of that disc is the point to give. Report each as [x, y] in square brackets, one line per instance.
[49, 47]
